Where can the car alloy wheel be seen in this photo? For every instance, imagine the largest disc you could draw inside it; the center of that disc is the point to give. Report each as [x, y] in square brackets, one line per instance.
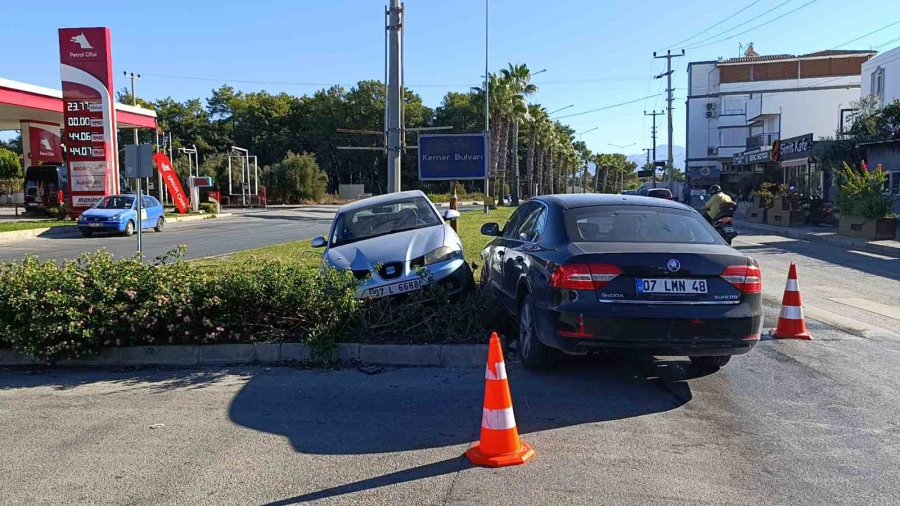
[526, 329]
[534, 353]
[129, 229]
[159, 224]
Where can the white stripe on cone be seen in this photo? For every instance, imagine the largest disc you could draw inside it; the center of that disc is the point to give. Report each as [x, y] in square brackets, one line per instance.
[792, 286]
[501, 372]
[498, 419]
[792, 312]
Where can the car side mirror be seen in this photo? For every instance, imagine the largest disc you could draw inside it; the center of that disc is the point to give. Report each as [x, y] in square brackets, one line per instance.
[319, 242]
[451, 214]
[490, 229]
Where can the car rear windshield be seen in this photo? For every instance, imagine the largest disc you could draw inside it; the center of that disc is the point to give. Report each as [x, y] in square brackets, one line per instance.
[638, 224]
[663, 193]
[383, 219]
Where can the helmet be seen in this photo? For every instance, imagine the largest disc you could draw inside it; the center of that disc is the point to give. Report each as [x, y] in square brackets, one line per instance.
[714, 189]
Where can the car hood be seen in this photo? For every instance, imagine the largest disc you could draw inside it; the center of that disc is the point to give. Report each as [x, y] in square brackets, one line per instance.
[401, 246]
[104, 213]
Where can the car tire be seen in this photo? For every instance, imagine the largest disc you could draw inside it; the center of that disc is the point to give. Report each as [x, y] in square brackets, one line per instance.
[710, 363]
[129, 229]
[87, 233]
[160, 223]
[534, 354]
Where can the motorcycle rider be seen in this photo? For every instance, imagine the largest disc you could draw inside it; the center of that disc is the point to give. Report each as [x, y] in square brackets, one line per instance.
[715, 203]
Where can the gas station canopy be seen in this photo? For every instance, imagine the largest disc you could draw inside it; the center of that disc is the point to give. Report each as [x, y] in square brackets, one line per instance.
[23, 102]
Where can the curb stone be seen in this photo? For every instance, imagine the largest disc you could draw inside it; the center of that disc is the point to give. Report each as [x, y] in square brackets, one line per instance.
[443, 355]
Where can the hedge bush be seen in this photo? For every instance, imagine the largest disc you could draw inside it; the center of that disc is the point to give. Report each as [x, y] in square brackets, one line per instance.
[54, 312]
[64, 311]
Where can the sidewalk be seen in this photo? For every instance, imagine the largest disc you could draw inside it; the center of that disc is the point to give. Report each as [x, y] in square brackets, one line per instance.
[826, 235]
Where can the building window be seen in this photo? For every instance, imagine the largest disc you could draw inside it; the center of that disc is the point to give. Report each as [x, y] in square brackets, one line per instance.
[734, 104]
[894, 183]
[878, 82]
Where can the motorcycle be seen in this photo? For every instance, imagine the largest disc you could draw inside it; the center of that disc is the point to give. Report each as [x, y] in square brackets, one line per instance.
[724, 223]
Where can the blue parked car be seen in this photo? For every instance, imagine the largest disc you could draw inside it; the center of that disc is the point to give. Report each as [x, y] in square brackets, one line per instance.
[118, 213]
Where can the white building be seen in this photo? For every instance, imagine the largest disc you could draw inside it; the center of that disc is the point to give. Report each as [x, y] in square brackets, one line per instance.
[738, 108]
[881, 76]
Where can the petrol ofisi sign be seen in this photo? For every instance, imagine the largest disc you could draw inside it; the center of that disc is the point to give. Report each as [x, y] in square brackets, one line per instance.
[89, 123]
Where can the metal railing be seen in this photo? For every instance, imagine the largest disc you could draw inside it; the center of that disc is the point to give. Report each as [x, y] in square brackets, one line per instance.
[760, 140]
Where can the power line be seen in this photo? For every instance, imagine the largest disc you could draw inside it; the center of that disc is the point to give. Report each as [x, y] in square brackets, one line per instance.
[879, 46]
[754, 18]
[680, 42]
[866, 35]
[604, 108]
[757, 26]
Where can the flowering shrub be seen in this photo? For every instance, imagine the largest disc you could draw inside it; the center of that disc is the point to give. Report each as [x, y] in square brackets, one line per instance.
[54, 312]
[862, 193]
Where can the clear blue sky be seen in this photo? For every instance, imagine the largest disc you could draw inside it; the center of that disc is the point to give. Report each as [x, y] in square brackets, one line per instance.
[596, 52]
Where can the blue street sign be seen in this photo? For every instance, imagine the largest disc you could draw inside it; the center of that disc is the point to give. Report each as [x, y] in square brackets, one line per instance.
[446, 157]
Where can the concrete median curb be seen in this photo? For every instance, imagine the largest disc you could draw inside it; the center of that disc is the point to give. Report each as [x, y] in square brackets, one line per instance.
[831, 238]
[435, 355]
[33, 233]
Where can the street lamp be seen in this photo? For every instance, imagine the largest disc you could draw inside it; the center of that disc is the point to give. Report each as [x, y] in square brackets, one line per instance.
[561, 109]
[584, 173]
[538, 72]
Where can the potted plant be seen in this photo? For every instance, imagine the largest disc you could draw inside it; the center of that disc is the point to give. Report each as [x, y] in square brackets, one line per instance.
[865, 209]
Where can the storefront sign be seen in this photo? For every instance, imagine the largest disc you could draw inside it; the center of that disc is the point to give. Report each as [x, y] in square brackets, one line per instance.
[795, 147]
[705, 175]
[751, 158]
[90, 127]
[172, 183]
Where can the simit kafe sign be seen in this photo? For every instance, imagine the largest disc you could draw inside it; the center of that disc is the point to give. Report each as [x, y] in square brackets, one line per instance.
[447, 157]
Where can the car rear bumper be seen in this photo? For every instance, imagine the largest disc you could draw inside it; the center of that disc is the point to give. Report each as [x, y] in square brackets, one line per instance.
[654, 330]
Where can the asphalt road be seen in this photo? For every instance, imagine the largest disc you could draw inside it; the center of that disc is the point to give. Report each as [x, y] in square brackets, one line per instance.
[855, 290]
[243, 230]
[791, 422]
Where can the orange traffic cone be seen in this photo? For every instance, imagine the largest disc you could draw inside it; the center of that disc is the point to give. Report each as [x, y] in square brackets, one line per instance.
[791, 324]
[500, 445]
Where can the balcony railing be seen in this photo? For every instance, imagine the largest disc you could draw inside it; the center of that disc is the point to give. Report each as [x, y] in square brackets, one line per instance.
[761, 140]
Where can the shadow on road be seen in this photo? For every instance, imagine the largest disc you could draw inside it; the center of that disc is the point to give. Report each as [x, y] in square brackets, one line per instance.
[350, 413]
[887, 268]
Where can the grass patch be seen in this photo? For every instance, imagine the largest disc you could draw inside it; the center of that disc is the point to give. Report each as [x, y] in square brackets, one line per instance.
[302, 252]
[31, 225]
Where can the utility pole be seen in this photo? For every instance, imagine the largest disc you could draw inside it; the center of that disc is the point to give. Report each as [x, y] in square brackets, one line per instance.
[395, 94]
[670, 165]
[487, 115]
[653, 135]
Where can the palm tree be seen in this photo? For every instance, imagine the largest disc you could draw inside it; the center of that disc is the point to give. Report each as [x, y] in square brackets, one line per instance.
[518, 78]
[536, 116]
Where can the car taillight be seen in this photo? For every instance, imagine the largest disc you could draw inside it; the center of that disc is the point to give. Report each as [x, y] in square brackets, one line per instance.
[583, 276]
[746, 278]
[727, 221]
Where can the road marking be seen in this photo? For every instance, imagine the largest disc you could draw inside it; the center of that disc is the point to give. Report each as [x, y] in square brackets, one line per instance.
[872, 307]
[850, 325]
[873, 255]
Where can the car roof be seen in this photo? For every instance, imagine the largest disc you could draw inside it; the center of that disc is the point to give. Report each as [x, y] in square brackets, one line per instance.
[572, 201]
[381, 199]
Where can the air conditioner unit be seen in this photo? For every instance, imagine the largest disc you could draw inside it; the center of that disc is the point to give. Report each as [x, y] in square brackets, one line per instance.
[712, 114]
[710, 106]
[712, 151]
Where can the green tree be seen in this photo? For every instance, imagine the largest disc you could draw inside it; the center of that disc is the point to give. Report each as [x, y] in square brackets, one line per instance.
[298, 178]
[10, 172]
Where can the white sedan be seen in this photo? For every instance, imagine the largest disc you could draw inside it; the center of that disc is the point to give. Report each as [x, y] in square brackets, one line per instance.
[396, 243]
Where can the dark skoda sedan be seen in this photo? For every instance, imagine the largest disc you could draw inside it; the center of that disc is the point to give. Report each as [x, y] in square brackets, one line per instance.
[588, 272]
